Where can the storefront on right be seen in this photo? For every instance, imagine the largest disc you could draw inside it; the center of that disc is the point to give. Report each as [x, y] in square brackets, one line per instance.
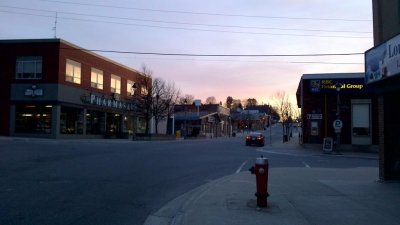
[382, 72]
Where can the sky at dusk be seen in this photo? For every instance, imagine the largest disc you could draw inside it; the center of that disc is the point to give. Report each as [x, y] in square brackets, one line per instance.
[223, 48]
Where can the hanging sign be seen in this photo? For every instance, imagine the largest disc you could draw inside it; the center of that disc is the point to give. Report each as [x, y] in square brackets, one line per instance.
[383, 60]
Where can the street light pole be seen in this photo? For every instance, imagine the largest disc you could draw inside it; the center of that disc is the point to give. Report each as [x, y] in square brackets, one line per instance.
[338, 88]
[185, 126]
[134, 88]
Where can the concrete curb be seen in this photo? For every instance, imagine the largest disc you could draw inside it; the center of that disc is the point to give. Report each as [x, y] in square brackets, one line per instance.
[172, 213]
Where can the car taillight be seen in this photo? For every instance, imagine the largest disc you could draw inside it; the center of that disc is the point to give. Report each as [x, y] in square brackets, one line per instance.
[260, 138]
[248, 137]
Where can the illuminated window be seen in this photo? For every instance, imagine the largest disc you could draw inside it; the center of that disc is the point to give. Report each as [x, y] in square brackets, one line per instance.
[144, 91]
[129, 89]
[97, 78]
[29, 67]
[115, 84]
[33, 119]
[73, 72]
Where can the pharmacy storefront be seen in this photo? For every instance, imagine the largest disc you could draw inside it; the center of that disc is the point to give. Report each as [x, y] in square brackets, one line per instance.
[37, 111]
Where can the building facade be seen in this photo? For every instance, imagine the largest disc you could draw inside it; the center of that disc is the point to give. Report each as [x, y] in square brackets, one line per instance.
[326, 98]
[203, 120]
[54, 89]
[382, 72]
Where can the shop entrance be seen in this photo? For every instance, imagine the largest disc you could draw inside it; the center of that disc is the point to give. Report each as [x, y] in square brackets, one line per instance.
[114, 124]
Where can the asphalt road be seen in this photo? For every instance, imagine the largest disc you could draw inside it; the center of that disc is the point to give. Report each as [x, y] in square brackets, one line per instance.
[117, 182]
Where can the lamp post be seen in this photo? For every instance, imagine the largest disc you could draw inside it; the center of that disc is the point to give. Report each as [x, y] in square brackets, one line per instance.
[229, 126]
[134, 88]
[185, 126]
[337, 130]
[156, 113]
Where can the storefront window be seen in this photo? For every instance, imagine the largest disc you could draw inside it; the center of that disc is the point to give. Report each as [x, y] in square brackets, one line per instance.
[71, 120]
[128, 125]
[95, 122]
[141, 125]
[33, 119]
[361, 119]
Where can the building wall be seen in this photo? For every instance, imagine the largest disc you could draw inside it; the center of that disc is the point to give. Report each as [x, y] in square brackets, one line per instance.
[386, 19]
[89, 60]
[319, 110]
[57, 92]
[386, 24]
[9, 51]
[392, 137]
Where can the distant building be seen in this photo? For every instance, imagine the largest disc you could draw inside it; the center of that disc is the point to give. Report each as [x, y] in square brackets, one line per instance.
[206, 120]
[54, 89]
[251, 119]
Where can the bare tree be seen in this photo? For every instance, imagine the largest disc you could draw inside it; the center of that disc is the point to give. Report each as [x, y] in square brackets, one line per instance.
[211, 100]
[229, 102]
[251, 102]
[186, 99]
[158, 107]
[285, 109]
[172, 96]
[156, 98]
[145, 99]
[164, 98]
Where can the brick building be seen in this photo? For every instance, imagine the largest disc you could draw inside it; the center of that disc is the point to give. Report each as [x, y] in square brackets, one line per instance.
[322, 103]
[54, 89]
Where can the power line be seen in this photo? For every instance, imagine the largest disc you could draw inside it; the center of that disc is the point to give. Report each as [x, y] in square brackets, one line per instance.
[193, 24]
[247, 61]
[217, 55]
[206, 13]
[196, 29]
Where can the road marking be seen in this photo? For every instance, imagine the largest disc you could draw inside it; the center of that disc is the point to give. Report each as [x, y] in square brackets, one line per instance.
[241, 166]
[306, 165]
[275, 152]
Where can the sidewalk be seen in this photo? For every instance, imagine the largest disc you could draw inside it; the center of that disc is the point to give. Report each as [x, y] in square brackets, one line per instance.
[298, 196]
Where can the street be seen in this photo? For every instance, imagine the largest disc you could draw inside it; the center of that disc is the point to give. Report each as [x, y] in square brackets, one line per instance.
[122, 182]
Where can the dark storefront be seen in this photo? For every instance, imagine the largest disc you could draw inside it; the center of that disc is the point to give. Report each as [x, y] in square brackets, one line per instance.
[75, 114]
[382, 66]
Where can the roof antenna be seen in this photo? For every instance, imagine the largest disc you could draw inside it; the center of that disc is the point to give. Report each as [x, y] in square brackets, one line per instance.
[55, 26]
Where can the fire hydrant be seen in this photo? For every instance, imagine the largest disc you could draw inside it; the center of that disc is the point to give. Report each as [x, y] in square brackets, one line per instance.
[260, 169]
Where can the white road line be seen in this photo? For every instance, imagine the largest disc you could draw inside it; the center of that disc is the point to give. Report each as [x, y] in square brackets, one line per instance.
[241, 166]
[306, 165]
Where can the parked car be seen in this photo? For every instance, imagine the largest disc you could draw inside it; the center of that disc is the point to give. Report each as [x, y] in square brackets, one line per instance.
[255, 138]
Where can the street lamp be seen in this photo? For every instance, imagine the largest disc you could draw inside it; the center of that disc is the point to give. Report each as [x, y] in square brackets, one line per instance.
[338, 87]
[185, 126]
[156, 113]
[134, 88]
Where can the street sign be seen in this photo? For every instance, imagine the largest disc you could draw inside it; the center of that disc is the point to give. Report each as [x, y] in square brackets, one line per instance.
[337, 124]
[327, 145]
[313, 116]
